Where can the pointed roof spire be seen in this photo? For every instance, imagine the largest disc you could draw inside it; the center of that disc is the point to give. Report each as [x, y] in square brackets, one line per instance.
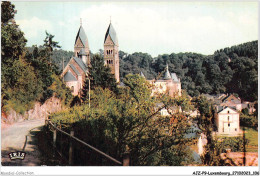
[112, 33]
[167, 74]
[83, 37]
[142, 75]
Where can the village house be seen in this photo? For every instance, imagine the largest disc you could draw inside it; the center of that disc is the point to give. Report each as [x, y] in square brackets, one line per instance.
[231, 101]
[227, 121]
[75, 72]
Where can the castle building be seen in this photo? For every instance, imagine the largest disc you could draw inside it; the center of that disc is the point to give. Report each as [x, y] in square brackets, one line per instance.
[111, 55]
[169, 84]
[74, 73]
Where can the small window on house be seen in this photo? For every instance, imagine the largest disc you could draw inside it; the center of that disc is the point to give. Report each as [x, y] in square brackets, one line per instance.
[72, 89]
[111, 61]
[228, 118]
[235, 129]
[228, 124]
[228, 112]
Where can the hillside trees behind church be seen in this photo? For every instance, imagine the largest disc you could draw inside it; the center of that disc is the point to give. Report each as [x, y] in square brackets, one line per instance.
[26, 77]
[99, 75]
[229, 70]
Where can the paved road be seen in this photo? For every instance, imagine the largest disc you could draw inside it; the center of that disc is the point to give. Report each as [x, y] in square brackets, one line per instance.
[21, 137]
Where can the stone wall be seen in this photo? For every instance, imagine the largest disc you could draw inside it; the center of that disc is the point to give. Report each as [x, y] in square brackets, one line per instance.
[39, 111]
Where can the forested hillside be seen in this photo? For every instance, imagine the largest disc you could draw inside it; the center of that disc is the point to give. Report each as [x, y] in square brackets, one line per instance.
[229, 70]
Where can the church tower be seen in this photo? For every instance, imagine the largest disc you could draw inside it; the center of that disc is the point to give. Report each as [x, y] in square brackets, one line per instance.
[81, 46]
[111, 55]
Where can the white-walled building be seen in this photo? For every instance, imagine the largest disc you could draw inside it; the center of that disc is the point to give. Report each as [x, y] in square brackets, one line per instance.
[227, 121]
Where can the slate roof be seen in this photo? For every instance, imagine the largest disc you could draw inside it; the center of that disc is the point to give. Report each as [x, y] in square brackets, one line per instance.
[83, 37]
[235, 99]
[225, 107]
[174, 77]
[81, 64]
[167, 75]
[69, 77]
[74, 69]
[82, 52]
[112, 33]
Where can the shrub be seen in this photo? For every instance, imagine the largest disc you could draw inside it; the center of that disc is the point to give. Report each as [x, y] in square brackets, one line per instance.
[249, 121]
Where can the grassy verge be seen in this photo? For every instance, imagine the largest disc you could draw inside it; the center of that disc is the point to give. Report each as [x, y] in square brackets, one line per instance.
[252, 136]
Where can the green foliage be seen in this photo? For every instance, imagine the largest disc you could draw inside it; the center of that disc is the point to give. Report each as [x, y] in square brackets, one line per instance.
[138, 86]
[75, 101]
[252, 137]
[233, 143]
[59, 90]
[100, 76]
[249, 121]
[26, 88]
[205, 122]
[49, 43]
[7, 11]
[26, 76]
[229, 70]
[58, 55]
[116, 122]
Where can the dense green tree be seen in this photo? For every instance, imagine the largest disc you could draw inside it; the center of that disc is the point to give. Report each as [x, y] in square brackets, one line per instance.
[212, 150]
[7, 11]
[26, 76]
[129, 122]
[99, 75]
[49, 43]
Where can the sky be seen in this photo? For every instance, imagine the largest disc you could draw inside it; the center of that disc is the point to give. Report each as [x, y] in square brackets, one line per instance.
[149, 27]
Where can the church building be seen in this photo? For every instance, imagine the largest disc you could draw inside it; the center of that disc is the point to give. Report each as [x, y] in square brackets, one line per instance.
[111, 55]
[75, 72]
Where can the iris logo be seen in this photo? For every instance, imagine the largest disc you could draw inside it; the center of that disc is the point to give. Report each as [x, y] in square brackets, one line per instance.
[17, 155]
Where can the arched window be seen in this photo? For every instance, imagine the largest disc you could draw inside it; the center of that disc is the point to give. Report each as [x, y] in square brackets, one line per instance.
[72, 89]
[111, 51]
[107, 52]
[111, 61]
[228, 118]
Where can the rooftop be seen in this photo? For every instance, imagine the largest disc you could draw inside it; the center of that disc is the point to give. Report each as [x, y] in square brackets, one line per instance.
[82, 35]
[69, 77]
[112, 33]
[80, 63]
